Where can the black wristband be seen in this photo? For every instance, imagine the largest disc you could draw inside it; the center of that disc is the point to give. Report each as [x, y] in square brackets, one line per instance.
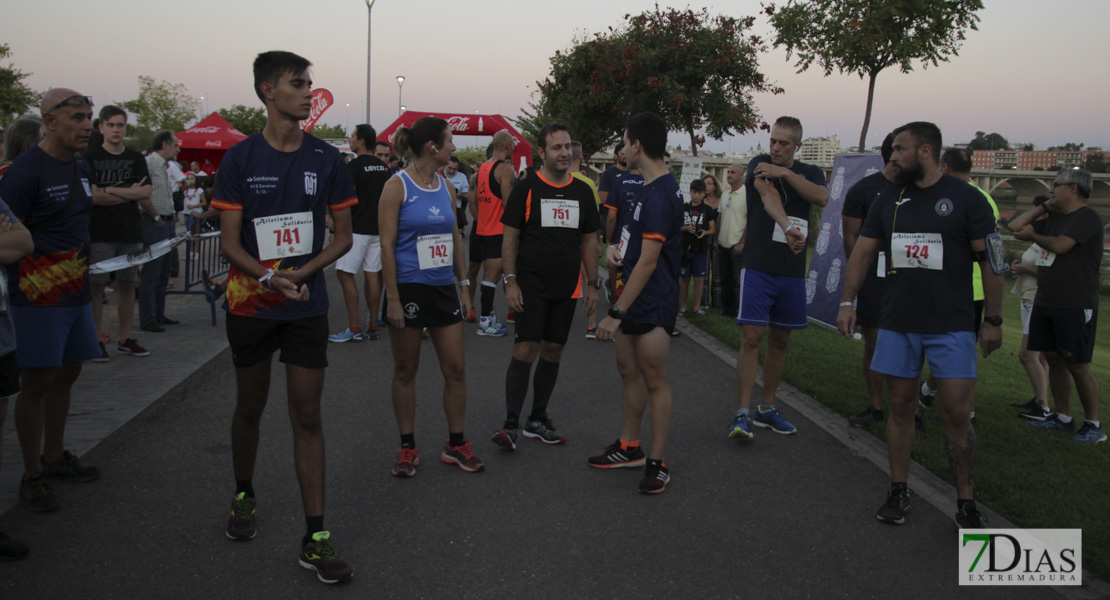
[616, 313]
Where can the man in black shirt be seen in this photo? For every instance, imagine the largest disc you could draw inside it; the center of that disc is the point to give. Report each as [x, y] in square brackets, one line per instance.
[120, 182]
[856, 204]
[551, 222]
[780, 192]
[369, 174]
[932, 227]
[1065, 310]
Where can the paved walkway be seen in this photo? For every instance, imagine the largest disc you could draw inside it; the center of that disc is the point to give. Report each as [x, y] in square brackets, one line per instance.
[775, 517]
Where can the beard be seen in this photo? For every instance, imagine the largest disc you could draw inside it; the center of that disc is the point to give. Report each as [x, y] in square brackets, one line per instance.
[909, 173]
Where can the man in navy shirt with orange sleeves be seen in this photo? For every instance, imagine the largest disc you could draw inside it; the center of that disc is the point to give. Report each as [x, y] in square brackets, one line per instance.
[274, 191]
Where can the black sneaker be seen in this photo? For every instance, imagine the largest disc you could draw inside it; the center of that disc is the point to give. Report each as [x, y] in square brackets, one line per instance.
[866, 418]
[656, 476]
[11, 549]
[1026, 405]
[544, 431]
[926, 401]
[898, 503]
[240, 525]
[1036, 413]
[614, 457]
[319, 555]
[69, 469]
[918, 424]
[37, 495]
[970, 518]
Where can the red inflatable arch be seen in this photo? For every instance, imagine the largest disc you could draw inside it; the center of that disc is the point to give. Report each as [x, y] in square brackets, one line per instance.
[469, 125]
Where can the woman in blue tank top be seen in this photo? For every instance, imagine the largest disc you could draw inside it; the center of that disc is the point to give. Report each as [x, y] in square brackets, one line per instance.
[422, 255]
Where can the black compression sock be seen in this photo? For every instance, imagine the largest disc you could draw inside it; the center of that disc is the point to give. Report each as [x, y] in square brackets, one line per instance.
[244, 487]
[487, 298]
[898, 486]
[456, 439]
[542, 386]
[313, 525]
[516, 387]
[408, 440]
[961, 503]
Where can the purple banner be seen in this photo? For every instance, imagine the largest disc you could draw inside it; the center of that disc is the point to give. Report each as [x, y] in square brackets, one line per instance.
[826, 270]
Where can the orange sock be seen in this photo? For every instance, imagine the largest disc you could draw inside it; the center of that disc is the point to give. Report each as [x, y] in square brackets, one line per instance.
[630, 445]
[355, 329]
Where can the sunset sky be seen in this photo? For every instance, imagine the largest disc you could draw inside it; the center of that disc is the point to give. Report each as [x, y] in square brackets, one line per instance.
[1035, 71]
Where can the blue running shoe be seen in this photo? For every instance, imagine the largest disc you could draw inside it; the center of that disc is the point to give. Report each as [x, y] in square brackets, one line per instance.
[489, 326]
[1089, 434]
[741, 426]
[1053, 422]
[772, 419]
[346, 336]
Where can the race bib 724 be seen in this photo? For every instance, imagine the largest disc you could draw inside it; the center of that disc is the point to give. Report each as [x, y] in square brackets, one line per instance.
[917, 251]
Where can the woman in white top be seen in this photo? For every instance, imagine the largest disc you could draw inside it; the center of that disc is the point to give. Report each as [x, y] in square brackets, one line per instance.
[1025, 286]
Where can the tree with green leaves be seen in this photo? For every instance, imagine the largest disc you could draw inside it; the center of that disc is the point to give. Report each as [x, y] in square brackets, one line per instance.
[16, 98]
[696, 70]
[1096, 163]
[1068, 147]
[325, 132]
[162, 105]
[247, 119]
[988, 141]
[865, 37]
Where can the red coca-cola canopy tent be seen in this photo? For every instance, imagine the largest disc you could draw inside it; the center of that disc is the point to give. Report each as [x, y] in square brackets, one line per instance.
[469, 125]
[208, 139]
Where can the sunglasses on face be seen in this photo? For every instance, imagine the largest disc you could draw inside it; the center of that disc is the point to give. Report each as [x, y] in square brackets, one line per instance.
[72, 101]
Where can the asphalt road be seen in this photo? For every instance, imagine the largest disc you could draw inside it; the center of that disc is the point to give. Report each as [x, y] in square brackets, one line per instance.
[774, 517]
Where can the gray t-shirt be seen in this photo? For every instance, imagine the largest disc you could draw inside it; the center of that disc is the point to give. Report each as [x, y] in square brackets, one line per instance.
[7, 328]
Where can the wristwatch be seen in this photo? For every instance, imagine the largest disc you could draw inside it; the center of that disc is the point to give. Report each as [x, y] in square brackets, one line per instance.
[594, 283]
[995, 320]
[616, 313]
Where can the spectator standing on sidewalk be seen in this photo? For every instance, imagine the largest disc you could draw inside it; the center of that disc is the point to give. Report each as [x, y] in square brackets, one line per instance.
[121, 198]
[156, 273]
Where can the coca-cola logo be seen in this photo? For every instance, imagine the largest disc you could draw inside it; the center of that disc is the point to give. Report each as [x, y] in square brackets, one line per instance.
[212, 129]
[214, 143]
[321, 101]
[459, 124]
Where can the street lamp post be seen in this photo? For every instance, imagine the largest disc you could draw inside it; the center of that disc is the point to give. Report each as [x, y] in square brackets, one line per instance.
[400, 84]
[369, 7]
[348, 116]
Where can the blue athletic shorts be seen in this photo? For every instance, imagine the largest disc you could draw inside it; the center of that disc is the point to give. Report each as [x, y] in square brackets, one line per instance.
[47, 337]
[696, 266]
[774, 300]
[950, 355]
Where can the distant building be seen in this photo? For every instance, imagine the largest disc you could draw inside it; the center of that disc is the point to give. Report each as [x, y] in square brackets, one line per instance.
[820, 150]
[1029, 160]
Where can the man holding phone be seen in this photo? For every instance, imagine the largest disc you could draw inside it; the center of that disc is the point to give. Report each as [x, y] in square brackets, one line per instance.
[120, 181]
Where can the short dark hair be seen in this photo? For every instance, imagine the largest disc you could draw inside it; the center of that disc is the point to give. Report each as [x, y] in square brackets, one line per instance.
[111, 110]
[454, 159]
[161, 138]
[793, 123]
[618, 147]
[666, 154]
[366, 133]
[489, 151]
[381, 143]
[697, 185]
[958, 160]
[549, 129]
[651, 131]
[924, 134]
[887, 149]
[270, 66]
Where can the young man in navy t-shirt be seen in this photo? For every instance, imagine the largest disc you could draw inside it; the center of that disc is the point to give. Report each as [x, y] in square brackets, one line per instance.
[274, 191]
[780, 193]
[646, 311]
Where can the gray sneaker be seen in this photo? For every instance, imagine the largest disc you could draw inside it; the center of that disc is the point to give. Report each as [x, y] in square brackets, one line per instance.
[543, 431]
[506, 437]
[69, 469]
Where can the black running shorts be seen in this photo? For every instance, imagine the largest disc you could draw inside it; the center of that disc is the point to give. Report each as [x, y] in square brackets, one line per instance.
[544, 319]
[303, 342]
[429, 305]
